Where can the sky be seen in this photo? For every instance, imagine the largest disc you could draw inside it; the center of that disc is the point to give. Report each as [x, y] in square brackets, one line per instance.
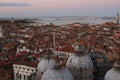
[39, 8]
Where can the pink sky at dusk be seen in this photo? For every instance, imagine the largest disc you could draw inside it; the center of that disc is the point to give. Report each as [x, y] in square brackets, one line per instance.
[59, 7]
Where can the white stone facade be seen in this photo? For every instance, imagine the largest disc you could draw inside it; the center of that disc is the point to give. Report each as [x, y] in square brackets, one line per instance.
[21, 72]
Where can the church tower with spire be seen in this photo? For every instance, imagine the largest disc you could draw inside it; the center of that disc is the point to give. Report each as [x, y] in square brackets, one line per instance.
[117, 18]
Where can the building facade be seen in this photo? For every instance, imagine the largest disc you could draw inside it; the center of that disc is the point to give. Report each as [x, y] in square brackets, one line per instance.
[5, 75]
[22, 72]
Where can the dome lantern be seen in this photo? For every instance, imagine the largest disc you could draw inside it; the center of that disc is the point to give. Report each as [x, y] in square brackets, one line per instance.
[79, 49]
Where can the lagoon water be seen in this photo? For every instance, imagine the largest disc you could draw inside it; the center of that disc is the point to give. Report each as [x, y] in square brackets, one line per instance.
[68, 20]
[63, 21]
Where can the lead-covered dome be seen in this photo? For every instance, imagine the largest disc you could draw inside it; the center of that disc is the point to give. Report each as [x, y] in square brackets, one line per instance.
[46, 62]
[57, 73]
[114, 73]
[80, 61]
[80, 64]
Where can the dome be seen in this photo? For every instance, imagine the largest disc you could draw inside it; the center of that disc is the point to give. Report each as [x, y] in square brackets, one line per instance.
[57, 74]
[45, 64]
[101, 65]
[80, 65]
[114, 73]
[80, 61]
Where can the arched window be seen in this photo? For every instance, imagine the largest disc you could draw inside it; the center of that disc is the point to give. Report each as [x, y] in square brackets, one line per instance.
[24, 77]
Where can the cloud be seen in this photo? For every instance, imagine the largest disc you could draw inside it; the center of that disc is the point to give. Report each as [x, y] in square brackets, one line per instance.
[13, 4]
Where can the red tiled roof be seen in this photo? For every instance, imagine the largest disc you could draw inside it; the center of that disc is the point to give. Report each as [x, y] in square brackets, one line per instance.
[27, 63]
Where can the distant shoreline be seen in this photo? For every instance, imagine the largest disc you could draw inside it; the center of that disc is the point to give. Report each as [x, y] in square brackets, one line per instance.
[64, 21]
[61, 18]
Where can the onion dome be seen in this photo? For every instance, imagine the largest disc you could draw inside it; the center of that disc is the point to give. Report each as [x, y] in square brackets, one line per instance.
[114, 73]
[46, 63]
[80, 64]
[57, 73]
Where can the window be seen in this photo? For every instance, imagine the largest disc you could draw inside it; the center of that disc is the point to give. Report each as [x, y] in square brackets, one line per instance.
[24, 76]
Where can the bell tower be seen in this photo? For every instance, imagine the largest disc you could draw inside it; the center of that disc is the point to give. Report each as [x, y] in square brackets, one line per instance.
[117, 18]
[1, 31]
